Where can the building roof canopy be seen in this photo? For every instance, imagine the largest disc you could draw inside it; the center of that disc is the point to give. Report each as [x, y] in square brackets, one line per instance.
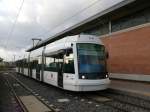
[121, 9]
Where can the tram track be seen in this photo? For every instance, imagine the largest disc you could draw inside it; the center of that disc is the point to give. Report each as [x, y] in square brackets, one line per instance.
[23, 107]
[34, 94]
[110, 105]
[116, 104]
[128, 99]
[77, 97]
[123, 102]
[18, 100]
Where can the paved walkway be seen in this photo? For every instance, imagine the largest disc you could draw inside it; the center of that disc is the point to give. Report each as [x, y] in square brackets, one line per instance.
[140, 88]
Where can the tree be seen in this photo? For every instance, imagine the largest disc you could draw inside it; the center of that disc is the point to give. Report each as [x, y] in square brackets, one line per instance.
[1, 59]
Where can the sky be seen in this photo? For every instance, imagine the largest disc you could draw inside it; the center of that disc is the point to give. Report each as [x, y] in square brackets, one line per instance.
[22, 20]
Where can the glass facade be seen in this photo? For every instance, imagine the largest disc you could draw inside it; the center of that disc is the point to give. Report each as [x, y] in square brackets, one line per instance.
[130, 20]
[99, 29]
[139, 17]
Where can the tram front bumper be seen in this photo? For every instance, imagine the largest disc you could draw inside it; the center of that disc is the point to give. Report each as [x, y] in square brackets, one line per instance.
[88, 85]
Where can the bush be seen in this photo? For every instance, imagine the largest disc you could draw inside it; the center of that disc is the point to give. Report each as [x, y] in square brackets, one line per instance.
[2, 67]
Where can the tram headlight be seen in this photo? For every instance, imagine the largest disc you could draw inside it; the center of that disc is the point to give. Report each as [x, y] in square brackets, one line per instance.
[106, 76]
[83, 77]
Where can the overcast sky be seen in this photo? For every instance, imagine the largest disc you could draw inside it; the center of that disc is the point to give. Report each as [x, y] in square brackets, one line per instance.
[40, 19]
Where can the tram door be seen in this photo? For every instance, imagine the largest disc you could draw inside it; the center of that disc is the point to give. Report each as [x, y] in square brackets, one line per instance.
[59, 60]
[22, 69]
[19, 67]
[38, 72]
[30, 69]
[60, 74]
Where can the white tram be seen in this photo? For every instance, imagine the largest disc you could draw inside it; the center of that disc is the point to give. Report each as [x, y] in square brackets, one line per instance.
[75, 63]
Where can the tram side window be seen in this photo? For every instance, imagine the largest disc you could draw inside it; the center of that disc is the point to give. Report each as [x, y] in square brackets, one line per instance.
[69, 62]
[25, 64]
[50, 64]
[39, 63]
[34, 64]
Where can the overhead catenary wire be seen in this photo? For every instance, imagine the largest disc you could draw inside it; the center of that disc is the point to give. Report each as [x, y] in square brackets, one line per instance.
[20, 8]
[13, 26]
[56, 26]
[79, 12]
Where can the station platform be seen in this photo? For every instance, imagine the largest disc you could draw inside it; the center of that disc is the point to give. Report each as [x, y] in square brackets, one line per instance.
[136, 88]
[133, 77]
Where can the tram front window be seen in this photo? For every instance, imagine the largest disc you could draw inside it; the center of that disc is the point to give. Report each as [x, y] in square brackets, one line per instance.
[91, 61]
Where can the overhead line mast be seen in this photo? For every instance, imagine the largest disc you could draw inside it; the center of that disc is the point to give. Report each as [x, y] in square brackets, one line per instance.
[34, 40]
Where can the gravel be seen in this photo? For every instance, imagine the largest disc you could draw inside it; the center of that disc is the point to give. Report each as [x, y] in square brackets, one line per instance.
[74, 103]
[8, 102]
[67, 101]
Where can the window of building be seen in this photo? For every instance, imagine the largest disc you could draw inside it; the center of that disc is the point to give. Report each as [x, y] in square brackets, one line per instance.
[134, 19]
[100, 29]
[140, 17]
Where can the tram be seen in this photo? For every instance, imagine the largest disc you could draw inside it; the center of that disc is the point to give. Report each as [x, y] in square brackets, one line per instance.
[75, 63]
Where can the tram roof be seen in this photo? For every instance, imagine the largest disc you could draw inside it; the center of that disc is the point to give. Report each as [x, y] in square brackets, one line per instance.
[114, 12]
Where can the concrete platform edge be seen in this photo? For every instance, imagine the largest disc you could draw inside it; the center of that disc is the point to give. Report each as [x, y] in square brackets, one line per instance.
[134, 94]
[134, 77]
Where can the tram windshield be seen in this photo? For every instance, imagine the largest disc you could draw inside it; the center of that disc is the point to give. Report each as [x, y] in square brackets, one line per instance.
[91, 60]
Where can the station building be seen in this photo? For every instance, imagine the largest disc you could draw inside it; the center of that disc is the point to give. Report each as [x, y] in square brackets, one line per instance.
[126, 34]
[125, 30]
